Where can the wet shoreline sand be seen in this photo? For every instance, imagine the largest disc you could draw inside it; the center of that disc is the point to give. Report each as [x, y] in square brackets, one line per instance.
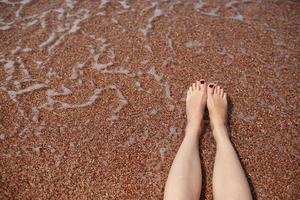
[92, 94]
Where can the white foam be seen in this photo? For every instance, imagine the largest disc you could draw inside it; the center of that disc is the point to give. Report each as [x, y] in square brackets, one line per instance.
[229, 57]
[24, 71]
[153, 4]
[2, 136]
[171, 107]
[103, 3]
[31, 88]
[6, 2]
[17, 84]
[148, 48]
[105, 163]
[70, 3]
[173, 4]
[169, 40]
[119, 70]
[42, 18]
[153, 72]
[29, 24]
[74, 74]
[157, 13]
[231, 4]
[35, 112]
[57, 36]
[23, 2]
[9, 69]
[5, 27]
[75, 27]
[238, 17]
[124, 4]
[96, 65]
[63, 105]
[36, 149]
[145, 135]
[65, 91]
[27, 50]
[102, 66]
[162, 152]
[51, 73]
[114, 117]
[50, 40]
[130, 141]
[199, 5]
[90, 101]
[193, 44]
[122, 100]
[79, 65]
[144, 31]
[138, 86]
[61, 14]
[168, 61]
[38, 130]
[167, 90]
[101, 13]
[153, 112]
[114, 20]
[127, 59]
[212, 13]
[165, 84]
[124, 11]
[38, 63]
[139, 73]
[174, 131]
[144, 62]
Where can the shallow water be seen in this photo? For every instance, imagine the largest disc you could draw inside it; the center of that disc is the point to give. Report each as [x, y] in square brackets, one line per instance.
[92, 93]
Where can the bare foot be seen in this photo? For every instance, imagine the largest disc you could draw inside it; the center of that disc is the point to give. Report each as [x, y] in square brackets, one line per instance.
[195, 104]
[217, 108]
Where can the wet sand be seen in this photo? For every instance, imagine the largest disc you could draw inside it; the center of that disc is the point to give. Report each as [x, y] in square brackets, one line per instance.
[92, 94]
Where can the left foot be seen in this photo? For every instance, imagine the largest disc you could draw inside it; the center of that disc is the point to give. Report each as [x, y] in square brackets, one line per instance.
[195, 105]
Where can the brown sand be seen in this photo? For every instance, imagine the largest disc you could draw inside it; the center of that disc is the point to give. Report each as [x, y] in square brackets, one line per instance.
[118, 141]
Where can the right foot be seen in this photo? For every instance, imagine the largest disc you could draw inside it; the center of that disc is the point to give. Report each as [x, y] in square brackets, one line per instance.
[195, 104]
[217, 108]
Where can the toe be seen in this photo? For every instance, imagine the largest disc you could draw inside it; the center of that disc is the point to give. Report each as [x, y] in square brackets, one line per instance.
[216, 90]
[221, 92]
[202, 84]
[194, 86]
[210, 89]
[225, 95]
[188, 93]
[198, 85]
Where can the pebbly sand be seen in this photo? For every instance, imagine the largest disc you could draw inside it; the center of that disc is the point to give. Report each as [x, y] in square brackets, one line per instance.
[92, 94]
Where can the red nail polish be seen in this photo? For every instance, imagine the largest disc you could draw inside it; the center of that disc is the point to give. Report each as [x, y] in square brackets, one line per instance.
[202, 82]
[211, 86]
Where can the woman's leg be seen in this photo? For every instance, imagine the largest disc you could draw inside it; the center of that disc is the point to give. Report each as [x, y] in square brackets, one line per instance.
[229, 180]
[184, 180]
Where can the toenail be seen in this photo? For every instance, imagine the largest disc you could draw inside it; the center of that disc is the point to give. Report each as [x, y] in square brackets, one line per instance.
[202, 82]
[211, 86]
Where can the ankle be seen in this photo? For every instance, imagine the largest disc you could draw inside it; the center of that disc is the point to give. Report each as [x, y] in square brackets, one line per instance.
[221, 134]
[194, 127]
